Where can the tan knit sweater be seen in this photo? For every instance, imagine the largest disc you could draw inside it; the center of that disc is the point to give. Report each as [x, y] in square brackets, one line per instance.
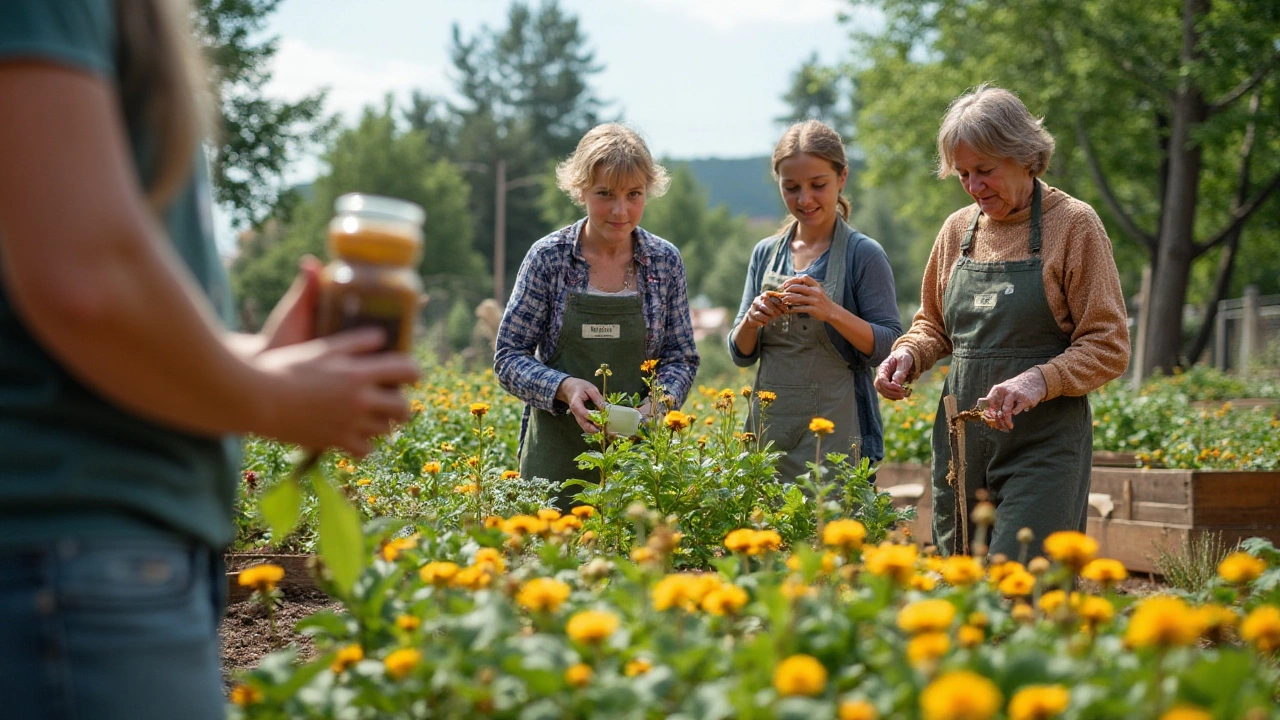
[1080, 280]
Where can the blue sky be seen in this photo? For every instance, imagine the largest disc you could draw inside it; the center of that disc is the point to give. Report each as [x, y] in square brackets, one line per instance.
[700, 78]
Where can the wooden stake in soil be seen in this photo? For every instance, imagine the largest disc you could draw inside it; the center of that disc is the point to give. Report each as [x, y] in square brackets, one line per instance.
[956, 467]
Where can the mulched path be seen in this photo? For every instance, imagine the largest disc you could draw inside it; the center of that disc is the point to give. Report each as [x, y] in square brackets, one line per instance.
[246, 635]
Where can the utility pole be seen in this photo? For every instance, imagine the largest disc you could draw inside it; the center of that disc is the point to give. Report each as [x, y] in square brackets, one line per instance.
[501, 186]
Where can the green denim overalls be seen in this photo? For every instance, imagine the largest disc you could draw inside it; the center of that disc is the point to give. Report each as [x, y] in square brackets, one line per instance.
[1000, 325]
[808, 374]
[597, 329]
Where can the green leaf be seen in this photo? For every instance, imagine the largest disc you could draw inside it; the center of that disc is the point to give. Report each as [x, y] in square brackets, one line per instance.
[281, 506]
[341, 540]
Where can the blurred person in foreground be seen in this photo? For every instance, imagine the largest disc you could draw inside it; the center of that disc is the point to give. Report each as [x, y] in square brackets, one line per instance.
[121, 392]
[602, 291]
[818, 311]
[1021, 290]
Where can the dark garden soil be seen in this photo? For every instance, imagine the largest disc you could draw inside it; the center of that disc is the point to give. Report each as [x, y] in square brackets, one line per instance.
[246, 635]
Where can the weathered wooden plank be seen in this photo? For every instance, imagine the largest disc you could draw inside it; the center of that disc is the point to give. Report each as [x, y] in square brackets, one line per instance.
[297, 573]
[1236, 499]
[1171, 487]
[1110, 458]
[1135, 543]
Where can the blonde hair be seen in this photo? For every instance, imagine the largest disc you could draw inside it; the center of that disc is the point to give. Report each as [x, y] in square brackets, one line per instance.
[611, 153]
[994, 122]
[816, 138]
[163, 87]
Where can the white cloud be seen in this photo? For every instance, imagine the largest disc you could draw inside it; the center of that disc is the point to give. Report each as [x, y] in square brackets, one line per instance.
[354, 79]
[725, 15]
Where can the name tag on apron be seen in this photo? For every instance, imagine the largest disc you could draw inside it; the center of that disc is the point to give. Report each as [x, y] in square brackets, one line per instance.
[601, 332]
[984, 301]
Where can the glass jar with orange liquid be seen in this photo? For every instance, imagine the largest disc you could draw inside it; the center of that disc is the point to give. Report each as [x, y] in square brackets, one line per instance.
[372, 279]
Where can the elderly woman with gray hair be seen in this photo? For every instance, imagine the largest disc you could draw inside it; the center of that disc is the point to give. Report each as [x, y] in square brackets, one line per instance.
[1022, 291]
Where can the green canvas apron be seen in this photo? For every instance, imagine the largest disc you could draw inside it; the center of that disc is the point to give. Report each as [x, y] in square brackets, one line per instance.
[811, 379]
[598, 329]
[1037, 475]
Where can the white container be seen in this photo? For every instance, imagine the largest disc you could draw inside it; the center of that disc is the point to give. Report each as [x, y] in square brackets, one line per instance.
[623, 420]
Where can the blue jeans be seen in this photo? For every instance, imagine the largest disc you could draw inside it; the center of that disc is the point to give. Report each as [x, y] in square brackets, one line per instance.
[110, 630]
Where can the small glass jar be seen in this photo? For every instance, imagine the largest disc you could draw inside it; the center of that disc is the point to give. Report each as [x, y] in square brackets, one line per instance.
[372, 278]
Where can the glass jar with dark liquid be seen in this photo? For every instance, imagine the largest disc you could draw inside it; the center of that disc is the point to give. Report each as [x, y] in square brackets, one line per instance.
[372, 279]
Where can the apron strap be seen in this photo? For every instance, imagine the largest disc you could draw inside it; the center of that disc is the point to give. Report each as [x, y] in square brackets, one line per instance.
[1035, 224]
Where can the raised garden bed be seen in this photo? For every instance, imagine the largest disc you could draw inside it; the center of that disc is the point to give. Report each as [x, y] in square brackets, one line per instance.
[1137, 513]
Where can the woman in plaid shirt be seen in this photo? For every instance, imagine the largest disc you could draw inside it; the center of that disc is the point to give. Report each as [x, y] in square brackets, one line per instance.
[602, 291]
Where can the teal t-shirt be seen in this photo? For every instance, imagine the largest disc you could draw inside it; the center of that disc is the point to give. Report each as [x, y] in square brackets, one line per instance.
[71, 462]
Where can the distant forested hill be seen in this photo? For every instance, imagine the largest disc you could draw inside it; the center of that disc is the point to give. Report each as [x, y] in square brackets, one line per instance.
[744, 184]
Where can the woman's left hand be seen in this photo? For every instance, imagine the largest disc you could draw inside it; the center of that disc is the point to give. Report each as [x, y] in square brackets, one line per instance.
[1018, 394]
[803, 294]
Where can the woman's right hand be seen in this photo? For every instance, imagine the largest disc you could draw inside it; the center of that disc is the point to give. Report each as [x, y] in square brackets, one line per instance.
[893, 373]
[336, 391]
[764, 310]
[575, 392]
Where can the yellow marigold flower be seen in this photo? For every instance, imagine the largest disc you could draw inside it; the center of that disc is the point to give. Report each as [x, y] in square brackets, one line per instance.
[578, 675]
[510, 474]
[829, 562]
[766, 397]
[961, 570]
[542, 595]
[821, 426]
[416, 406]
[373, 499]
[1038, 702]
[894, 561]
[648, 366]
[364, 481]
[345, 464]
[1071, 548]
[765, 541]
[392, 549]
[1241, 568]
[1000, 571]
[960, 696]
[472, 578]
[473, 461]
[857, 710]
[740, 540]
[402, 662]
[800, 675]
[479, 409]
[844, 534]
[1163, 621]
[494, 521]
[522, 525]
[262, 578]
[592, 626]
[794, 589]
[1018, 584]
[438, 573]
[1052, 600]
[566, 524]
[245, 695]
[978, 618]
[642, 555]
[1214, 618]
[1262, 629]
[584, 511]
[745, 391]
[408, 623]
[969, 636]
[677, 421]
[1022, 613]
[725, 600]
[683, 590]
[431, 468]
[923, 583]
[1105, 571]
[446, 447]
[1095, 610]
[925, 616]
[467, 489]
[636, 667]
[927, 648]
[347, 656]
[490, 560]
[587, 537]
[1187, 712]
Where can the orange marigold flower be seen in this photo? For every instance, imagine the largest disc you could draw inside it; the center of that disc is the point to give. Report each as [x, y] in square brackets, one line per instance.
[1018, 584]
[1039, 702]
[648, 366]
[490, 559]
[960, 570]
[510, 474]
[402, 662]
[740, 540]
[1262, 629]
[1071, 548]
[636, 667]
[584, 511]
[347, 656]
[726, 599]
[245, 695]
[566, 524]
[677, 421]
[578, 675]
[927, 647]
[392, 549]
[1105, 571]
[1241, 568]
[431, 468]
[845, 534]
[262, 578]
[924, 616]
[857, 710]
[472, 578]
[969, 636]
[438, 573]
[408, 623]
[821, 426]
[766, 397]
[960, 696]
[800, 675]
[542, 595]
[592, 626]
[521, 525]
[893, 561]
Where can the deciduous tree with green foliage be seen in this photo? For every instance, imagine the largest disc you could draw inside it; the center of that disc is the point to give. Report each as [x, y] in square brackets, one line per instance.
[256, 135]
[1152, 104]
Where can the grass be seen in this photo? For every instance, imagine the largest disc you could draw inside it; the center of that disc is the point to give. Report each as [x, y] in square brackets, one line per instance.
[1195, 563]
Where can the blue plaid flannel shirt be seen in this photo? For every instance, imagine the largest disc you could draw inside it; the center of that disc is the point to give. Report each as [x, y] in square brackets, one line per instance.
[553, 268]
